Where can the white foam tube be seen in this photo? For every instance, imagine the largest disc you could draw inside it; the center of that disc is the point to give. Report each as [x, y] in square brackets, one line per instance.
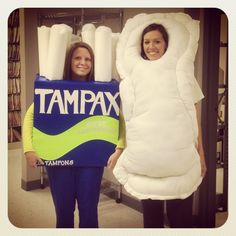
[103, 54]
[60, 37]
[115, 38]
[43, 40]
[88, 35]
[69, 32]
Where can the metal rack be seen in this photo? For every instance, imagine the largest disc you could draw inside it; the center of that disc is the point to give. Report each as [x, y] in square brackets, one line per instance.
[222, 134]
[14, 78]
[76, 18]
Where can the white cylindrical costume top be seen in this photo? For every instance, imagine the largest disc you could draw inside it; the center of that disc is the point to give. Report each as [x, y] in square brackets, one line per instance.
[160, 160]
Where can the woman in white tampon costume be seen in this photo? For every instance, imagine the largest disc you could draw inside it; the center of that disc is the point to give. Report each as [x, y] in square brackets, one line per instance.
[164, 158]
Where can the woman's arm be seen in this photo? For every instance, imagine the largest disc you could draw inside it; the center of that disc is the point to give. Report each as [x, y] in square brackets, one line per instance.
[200, 147]
[120, 144]
[114, 158]
[30, 154]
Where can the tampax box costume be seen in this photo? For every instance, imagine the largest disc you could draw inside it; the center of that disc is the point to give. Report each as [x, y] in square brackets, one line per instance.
[75, 123]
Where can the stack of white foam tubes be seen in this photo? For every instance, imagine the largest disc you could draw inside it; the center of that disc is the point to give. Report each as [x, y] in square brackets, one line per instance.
[54, 42]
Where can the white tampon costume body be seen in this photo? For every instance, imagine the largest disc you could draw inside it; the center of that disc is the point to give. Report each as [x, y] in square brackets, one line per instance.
[160, 160]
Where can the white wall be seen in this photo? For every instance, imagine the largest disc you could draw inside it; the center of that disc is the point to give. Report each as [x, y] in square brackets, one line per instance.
[29, 62]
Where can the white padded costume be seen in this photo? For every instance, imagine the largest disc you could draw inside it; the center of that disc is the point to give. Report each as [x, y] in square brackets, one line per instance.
[160, 160]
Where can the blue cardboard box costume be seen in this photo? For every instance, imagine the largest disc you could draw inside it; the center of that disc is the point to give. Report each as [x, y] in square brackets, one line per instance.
[75, 123]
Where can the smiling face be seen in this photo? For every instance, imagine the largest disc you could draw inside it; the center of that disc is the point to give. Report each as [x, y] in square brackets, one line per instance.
[154, 45]
[81, 64]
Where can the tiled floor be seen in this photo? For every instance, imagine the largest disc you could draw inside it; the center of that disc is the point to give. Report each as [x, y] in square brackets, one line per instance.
[34, 209]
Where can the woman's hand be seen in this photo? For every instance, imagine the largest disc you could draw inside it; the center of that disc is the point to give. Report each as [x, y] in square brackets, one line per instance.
[113, 158]
[199, 147]
[202, 157]
[32, 159]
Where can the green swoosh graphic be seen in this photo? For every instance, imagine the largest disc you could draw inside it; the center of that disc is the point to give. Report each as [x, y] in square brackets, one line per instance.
[52, 147]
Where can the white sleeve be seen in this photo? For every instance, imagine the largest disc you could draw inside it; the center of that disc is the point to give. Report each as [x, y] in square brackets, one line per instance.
[197, 92]
[127, 98]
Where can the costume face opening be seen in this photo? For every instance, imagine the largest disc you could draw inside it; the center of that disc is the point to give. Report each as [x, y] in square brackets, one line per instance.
[81, 64]
[154, 45]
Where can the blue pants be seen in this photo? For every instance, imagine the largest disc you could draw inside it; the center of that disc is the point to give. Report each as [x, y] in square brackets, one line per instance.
[71, 184]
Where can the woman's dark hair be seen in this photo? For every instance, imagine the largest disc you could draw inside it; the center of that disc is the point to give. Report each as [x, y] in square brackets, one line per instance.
[152, 27]
[68, 71]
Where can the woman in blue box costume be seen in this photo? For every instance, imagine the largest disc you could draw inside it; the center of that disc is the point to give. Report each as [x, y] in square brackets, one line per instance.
[163, 159]
[70, 184]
